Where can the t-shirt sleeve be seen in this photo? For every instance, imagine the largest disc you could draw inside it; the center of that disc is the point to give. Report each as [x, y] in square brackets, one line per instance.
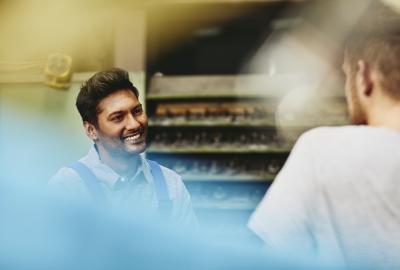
[282, 217]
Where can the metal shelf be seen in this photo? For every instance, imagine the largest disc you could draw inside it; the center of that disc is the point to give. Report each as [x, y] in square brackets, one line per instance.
[226, 178]
[242, 123]
[207, 123]
[220, 86]
[225, 205]
[215, 149]
[226, 86]
[164, 96]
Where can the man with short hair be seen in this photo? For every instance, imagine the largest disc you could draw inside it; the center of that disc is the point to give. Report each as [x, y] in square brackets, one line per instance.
[115, 171]
[338, 195]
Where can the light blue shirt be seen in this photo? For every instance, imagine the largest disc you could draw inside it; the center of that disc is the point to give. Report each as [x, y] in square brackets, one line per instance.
[136, 194]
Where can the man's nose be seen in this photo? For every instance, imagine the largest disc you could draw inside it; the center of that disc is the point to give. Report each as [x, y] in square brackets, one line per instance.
[132, 122]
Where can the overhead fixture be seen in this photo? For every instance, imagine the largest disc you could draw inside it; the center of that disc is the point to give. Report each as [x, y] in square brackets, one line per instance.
[58, 71]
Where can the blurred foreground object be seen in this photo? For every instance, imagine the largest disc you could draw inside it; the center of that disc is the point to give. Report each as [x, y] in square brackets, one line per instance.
[41, 232]
[393, 4]
[304, 108]
[58, 71]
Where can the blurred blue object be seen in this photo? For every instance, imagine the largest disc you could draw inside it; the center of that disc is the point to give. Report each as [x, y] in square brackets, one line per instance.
[39, 232]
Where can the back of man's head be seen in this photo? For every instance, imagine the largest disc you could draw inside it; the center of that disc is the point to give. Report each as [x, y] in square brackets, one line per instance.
[382, 54]
[99, 86]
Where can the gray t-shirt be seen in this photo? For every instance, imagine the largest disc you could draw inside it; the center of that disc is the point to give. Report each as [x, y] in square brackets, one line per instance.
[337, 197]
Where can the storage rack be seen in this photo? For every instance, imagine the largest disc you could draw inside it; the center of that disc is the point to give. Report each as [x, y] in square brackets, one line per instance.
[221, 177]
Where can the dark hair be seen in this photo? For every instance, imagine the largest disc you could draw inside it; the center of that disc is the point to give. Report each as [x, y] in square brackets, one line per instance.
[99, 86]
[382, 52]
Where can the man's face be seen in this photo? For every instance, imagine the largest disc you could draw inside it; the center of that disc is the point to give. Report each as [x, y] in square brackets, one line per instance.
[121, 124]
[355, 107]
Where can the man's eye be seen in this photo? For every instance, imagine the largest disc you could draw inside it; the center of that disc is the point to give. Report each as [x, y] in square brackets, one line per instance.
[138, 110]
[117, 118]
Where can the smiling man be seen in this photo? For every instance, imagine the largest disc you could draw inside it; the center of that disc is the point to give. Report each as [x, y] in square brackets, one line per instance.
[115, 171]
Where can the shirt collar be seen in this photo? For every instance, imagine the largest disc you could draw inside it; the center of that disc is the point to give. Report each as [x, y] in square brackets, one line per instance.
[106, 174]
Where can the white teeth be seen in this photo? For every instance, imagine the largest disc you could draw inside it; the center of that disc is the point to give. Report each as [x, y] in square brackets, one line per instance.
[132, 138]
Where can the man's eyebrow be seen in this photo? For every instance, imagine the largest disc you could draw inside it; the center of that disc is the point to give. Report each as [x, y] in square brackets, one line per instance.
[115, 113]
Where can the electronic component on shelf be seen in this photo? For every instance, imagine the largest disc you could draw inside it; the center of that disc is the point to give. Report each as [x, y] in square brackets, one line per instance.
[273, 167]
[226, 169]
[226, 195]
[242, 139]
[194, 110]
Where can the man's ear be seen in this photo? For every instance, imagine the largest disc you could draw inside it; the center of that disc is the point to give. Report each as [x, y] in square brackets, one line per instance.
[364, 80]
[90, 130]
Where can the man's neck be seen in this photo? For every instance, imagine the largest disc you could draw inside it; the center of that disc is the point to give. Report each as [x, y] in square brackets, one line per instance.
[386, 115]
[124, 165]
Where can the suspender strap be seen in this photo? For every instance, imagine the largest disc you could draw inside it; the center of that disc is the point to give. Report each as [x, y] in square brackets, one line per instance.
[165, 203]
[91, 181]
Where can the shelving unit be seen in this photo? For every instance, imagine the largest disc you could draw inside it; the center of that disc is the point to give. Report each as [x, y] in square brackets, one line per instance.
[224, 123]
[220, 141]
[215, 128]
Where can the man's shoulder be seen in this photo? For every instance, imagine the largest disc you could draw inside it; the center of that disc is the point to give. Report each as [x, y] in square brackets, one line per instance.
[345, 135]
[328, 131]
[67, 184]
[331, 134]
[65, 177]
[343, 149]
[171, 174]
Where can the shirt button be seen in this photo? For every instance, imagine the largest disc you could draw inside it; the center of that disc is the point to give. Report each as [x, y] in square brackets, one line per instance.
[120, 184]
